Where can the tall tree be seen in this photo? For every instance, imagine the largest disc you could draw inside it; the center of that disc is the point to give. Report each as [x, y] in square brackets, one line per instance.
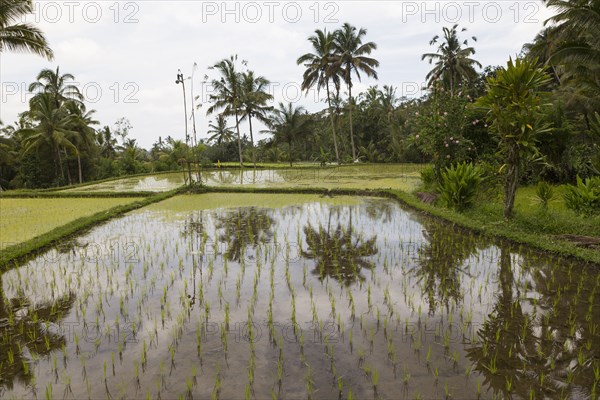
[319, 72]
[84, 133]
[19, 36]
[254, 102]
[228, 94]
[57, 85]
[52, 130]
[289, 124]
[351, 57]
[513, 106]
[453, 64]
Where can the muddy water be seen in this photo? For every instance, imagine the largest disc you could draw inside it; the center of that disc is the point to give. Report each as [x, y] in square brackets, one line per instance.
[232, 296]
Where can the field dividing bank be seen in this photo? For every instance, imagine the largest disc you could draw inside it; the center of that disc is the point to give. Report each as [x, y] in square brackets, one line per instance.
[16, 249]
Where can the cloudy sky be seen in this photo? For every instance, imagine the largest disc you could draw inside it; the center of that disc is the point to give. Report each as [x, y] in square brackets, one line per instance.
[125, 54]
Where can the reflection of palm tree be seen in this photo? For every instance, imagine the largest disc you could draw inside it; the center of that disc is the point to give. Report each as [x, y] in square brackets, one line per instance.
[536, 353]
[440, 262]
[379, 209]
[25, 326]
[244, 227]
[339, 254]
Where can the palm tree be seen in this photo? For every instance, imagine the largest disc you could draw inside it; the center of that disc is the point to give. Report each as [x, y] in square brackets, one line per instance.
[18, 36]
[57, 85]
[53, 129]
[543, 47]
[453, 64]
[228, 94]
[220, 132]
[319, 72]
[84, 136]
[289, 124]
[254, 100]
[578, 53]
[350, 56]
[107, 141]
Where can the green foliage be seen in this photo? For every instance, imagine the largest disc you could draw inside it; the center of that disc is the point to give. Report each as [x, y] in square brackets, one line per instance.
[459, 185]
[544, 193]
[428, 177]
[439, 130]
[584, 198]
[513, 105]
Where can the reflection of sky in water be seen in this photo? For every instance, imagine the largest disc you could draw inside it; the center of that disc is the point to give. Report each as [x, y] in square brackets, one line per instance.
[429, 280]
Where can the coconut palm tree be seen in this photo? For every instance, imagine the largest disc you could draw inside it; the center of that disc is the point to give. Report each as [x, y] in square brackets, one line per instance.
[82, 122]
[220, 132]
[57, 85]
[351, 57]
[319, 71]
[19, 36]
[52, 132]
[453, 64]
[578, 53]
[254, 102]
[228, 94]
[289, 124]
[107, 141]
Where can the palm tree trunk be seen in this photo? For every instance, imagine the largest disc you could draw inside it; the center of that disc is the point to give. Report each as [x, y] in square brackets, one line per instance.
[290, 151]
[237, 127]
[79, 167]
[512, 180]
[62, 172]
[337, 154]
[251, 140]
[350, 114]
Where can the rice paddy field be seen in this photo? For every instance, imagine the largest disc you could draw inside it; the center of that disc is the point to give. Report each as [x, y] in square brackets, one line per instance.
[393, 176]
[23, 219]
[296, 296]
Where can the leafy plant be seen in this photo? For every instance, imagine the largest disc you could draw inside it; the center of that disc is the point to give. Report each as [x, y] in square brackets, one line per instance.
[459, 185]
[544, 193]
[428, 177]
[584, 198]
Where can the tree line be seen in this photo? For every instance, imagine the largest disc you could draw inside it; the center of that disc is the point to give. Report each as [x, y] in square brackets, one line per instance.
[550, 132]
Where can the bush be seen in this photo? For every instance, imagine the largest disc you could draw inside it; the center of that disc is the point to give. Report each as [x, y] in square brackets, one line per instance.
[459, 185]
[428, 177]
[585, 197]
[543, 194]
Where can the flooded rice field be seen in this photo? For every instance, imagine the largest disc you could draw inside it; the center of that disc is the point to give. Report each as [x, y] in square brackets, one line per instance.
[294, 297]
[394, 176]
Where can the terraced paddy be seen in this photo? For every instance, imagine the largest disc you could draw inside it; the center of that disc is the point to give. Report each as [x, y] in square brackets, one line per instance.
[296, 296]
[375, 176]
[23, 219]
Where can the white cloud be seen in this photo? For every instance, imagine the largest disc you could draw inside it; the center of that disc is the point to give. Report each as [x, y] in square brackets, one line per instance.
[138, 61]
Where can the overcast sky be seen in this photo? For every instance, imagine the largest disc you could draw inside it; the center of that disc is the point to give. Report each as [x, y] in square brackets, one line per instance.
[125, 55]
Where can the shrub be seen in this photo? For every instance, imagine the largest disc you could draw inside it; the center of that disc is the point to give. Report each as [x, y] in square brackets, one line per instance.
[428, 177]
[459, 185]
[584, 198]
[544, 192]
